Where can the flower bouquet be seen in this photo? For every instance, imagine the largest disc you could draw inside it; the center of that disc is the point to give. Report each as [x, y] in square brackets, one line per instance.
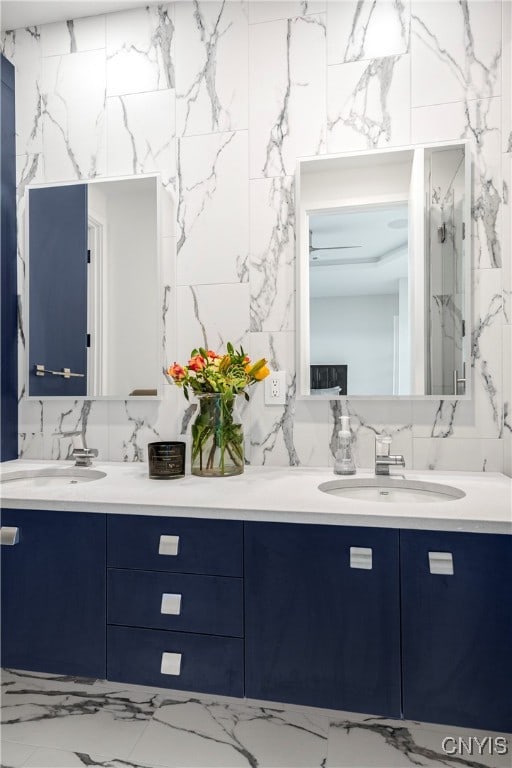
[216, 380]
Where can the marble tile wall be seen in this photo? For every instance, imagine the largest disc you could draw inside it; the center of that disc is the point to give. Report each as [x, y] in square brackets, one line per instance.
[221, 98]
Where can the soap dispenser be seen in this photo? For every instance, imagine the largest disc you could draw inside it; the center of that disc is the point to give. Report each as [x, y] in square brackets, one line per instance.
[344, 459]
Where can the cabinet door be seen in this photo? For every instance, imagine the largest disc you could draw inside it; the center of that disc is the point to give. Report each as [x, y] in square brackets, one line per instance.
[53, 593]
[322, 616]
[457, 628]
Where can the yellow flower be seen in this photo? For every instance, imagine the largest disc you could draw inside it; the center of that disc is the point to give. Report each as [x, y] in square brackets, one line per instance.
[225, 363]
[262, 373]
[259, 370]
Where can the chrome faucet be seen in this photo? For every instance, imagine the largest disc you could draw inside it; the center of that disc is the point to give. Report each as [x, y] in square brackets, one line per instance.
[83, 456]
[383, 458]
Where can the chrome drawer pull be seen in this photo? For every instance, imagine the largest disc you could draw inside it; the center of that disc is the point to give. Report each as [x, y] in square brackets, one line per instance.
[171, 604]
[171, 664]
[441, 563]
[9, 536]
[361, 557]
[169, 545]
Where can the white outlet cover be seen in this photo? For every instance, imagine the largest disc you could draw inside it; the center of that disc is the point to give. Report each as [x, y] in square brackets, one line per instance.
[275, 388]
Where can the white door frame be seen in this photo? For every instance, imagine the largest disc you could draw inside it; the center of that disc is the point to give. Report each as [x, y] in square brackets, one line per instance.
[96, 309]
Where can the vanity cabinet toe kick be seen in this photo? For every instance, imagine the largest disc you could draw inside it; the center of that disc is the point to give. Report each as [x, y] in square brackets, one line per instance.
[400, 623]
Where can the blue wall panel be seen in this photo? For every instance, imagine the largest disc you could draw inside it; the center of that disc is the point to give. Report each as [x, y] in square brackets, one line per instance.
[9, 354]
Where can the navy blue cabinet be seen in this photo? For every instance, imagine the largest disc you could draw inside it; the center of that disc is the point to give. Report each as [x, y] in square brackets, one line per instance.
[8, 303]
[175, 603]
[323, 616]
[457, 628]
[53, 593]
[413, 624]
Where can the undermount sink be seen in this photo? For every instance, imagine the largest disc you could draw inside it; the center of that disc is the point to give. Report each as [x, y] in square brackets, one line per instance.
[50, 477]
[391, 490]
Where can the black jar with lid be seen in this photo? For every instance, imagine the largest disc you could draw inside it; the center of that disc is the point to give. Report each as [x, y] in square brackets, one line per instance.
[166, 460]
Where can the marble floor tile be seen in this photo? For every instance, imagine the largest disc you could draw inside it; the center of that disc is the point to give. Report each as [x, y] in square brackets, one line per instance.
[76, 714]
[359, 742]
[14, 755]
[196, 733]
[465, 745]
[53, 721]
[58, 758]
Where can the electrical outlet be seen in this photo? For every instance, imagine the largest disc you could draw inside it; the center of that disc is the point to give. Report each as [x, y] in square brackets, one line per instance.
[275, 388]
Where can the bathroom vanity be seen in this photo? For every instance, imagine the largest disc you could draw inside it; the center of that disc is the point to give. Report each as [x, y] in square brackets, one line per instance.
[263, 586]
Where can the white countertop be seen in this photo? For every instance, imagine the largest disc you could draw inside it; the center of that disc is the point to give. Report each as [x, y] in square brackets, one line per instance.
[276, 494]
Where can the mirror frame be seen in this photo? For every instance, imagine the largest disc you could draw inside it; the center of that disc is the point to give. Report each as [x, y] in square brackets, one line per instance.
[159, 282]
[302, 346]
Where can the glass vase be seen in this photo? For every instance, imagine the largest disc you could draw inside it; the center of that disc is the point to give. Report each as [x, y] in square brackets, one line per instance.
[217, 438]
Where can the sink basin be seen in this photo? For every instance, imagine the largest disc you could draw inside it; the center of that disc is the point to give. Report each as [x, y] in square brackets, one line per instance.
[50, 477]
[391, 490]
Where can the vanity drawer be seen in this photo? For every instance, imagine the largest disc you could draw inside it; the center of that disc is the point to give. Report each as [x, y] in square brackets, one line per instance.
[177, 601]
[175, 544]
[178, 660]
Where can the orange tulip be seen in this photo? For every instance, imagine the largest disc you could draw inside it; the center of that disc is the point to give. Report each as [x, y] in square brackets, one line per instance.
[176, 371]
[197, 363]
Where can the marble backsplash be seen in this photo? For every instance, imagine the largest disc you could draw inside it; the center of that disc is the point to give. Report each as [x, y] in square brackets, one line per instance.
[221, 98]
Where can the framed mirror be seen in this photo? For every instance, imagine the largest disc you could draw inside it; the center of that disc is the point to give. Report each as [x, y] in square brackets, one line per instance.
[384, 273]
[93, 269]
